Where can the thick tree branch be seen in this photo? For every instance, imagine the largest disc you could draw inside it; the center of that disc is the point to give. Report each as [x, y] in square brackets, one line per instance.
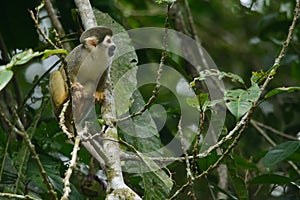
[106, 149]
[86, 13]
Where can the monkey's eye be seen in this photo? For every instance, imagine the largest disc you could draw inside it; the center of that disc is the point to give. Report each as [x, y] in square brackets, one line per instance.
[108, 40]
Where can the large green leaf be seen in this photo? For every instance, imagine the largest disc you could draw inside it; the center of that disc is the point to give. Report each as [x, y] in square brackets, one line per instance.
[156, 183]
[123, 69]
[279, 153]
[281, 90]
[240, 101]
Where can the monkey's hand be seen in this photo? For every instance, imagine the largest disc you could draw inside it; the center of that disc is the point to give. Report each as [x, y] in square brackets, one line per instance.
[81, 92]
[99, 97]
[78, 92]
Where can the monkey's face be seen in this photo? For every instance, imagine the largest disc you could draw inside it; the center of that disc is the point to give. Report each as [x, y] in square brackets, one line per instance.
[107, 46]
[108, 42]
[99, 38]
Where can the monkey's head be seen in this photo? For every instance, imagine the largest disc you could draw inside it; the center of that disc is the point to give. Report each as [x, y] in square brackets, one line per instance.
[102, 35]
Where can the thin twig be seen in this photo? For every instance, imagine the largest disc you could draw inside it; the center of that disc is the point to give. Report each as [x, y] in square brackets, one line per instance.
[189, 173]
[290, 34]
[18, 196]
[62, 120]
[265, 135]
[211, 167]
[35, 156]
[198, 137]
[226, 152]
[282, 134]
[185, 153]
[195, 35]
[31, 91]
[179, 190]
[269, 140]
[244, 121]
[241, 125]
[155, 91]
[66, 181]
[191, 21]
[4, 156]
[36, 24]
[56, 23]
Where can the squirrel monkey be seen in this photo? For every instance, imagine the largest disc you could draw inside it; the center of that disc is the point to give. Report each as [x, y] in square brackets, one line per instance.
[87, 66]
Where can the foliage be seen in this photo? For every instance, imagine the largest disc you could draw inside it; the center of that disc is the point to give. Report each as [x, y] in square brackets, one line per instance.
[257, 144]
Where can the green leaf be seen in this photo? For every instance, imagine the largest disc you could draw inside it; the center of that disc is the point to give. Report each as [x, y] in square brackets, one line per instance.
[242, 163]
[199, 99]
[259, 76]
[227, 192]
[5, 77]
[49, 52]
[193, 102]
[271, 179]
[23, 58]
[240, 101]
[204, 102]
[165, 1]
[156, 182]
[220, 75]
[209, 104]
[21, 160]
[206, 162]
[281, 90]
[141, 131]
[57, 184]
[123, 69]
[238, 183]
[279, 153]
[26, 56]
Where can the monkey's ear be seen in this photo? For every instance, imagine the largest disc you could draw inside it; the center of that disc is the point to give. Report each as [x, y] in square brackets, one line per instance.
[91, 42]
[98, 31]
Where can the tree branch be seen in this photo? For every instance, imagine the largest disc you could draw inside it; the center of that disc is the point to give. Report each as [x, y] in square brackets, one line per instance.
[106, 148]
[56, 23]
[86, 13]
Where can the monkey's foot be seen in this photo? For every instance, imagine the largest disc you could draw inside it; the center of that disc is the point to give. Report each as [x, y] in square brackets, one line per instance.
[99, 97]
